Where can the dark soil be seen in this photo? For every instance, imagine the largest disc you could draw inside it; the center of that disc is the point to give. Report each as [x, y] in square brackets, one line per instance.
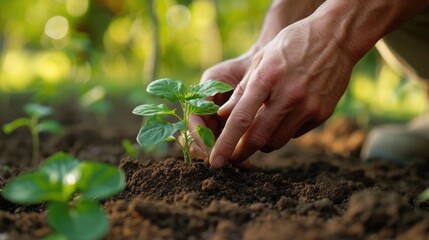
[315, 188]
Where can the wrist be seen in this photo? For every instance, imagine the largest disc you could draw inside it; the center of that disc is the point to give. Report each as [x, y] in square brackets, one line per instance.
[281, 14]
[356, 26]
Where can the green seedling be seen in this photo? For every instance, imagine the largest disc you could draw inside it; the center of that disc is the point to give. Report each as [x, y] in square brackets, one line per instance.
[35, 112]
[71, 189]
[156, 129]
[129, 148]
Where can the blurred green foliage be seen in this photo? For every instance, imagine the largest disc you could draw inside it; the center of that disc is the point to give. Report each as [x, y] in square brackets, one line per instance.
[111, 44]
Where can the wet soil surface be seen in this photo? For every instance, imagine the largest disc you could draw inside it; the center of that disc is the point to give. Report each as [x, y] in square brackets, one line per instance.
[315, 188]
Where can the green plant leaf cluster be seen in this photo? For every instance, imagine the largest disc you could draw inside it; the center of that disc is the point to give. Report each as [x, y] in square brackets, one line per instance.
[62, 181]
[35, 112]
[174, 90]
[85, 221]
[156, 129]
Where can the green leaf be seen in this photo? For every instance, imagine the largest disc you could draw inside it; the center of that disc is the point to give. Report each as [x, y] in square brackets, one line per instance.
[51, 126]
[170, 139]
[202, 107]
[31, 188]
[55, 236]
[86, 221]
[173, 90]
[176, 126]
[54, 181]
[206, 135]
[100, 180]
[152, 109]
[64, 173]
[179, 126]
[155, 131]
[211, 88]
[37, 110]
[12, 126]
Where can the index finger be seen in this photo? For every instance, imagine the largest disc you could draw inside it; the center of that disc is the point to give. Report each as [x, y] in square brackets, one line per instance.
[238, 122]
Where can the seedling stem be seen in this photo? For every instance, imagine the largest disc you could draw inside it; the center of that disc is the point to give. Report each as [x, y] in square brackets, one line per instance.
[156, 130]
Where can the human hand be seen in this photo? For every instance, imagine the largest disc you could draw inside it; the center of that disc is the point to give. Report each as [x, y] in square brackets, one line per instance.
[231, 72]
[293, 85]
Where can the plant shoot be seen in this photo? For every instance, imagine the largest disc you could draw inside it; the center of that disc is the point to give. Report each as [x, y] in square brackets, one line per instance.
[35, 112]
[71, 188]
[156, 129]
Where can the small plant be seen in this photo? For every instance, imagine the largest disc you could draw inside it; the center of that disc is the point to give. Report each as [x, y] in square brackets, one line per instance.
[129, 148]
[156, 129]
[70, 188]
[35, 112]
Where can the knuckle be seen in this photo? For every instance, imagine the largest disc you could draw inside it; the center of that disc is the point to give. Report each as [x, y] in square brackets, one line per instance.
[208, 74]
[257, 58]
[241, 120]
[275, 70]
[213, 72]
[239, 90]
[228, 146]
[263, 80]
[297, 95]
[268, 75]
[257, 141]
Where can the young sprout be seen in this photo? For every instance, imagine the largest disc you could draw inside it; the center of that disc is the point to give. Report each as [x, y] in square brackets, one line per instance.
[71, 189]
[35, 112]
[129, 148]
[156, 129]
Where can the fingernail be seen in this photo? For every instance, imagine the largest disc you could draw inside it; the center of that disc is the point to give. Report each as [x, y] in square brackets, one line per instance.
[224, 106]
[218, 162]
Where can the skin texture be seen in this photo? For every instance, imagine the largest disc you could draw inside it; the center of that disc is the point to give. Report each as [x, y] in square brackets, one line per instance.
[290, 81]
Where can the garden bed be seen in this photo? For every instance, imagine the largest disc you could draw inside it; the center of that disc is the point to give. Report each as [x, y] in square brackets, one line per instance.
[315, 188]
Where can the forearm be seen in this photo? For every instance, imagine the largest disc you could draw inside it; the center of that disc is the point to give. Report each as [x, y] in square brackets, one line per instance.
[357, 25]
[281, 14]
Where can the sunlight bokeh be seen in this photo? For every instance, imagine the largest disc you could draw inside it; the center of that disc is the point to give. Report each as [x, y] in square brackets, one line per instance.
[52, 66]
[120, 42]
[77, 8]
[57, 27]
[15, 70]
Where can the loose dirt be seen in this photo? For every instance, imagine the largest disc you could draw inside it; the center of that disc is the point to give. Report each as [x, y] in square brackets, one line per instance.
[315, 188]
